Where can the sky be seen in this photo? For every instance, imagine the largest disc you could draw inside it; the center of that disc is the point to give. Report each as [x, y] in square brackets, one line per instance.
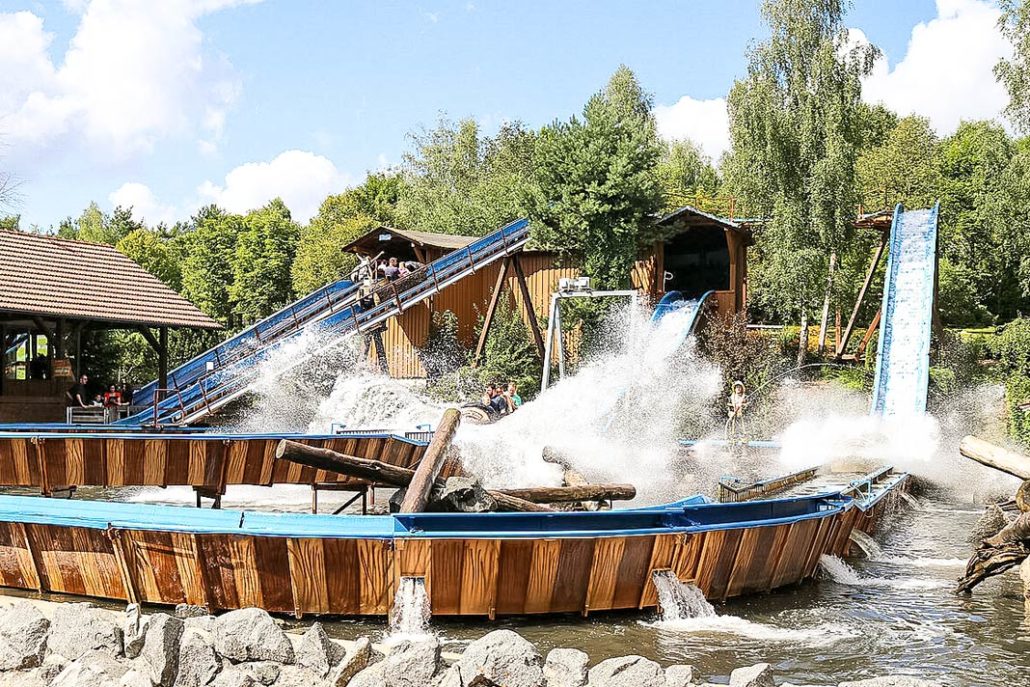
[168, 105]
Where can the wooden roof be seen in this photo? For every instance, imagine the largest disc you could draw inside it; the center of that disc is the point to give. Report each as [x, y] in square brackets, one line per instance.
[50, 277]
[691, 216]
[372, 241]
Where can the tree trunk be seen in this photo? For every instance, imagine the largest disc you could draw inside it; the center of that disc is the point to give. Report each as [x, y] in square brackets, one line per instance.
[803, 338]
[826, 302]
[997, 554]
[995, 457]
[431, 464]
[586, 492]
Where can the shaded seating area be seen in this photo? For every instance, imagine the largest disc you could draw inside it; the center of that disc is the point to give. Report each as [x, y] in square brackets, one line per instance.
[53, 292]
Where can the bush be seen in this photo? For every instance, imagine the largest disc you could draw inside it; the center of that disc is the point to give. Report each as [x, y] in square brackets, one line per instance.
[1017, 393]
[741, 353]
[1012, 348]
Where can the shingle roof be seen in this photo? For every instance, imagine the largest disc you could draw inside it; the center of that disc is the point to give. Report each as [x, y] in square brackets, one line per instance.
[689, 212]
[419, 238]
[49, 277]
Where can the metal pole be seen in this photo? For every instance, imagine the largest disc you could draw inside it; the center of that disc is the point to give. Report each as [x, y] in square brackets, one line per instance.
[550, 342]
[561, 343]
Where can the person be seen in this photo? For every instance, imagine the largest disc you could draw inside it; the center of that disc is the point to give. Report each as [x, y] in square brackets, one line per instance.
[498, 402]
[98, 401]
[402, 270]
[487, 398]
[512, 394]
[126, 394]
[735, 408]
[112, 397]
[390, 270]
[77, 395]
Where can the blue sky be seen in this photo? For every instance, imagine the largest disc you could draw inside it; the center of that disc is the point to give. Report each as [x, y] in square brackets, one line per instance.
[168, 105]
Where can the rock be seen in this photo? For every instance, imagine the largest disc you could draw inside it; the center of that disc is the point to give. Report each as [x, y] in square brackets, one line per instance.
[317, 652]
[412, 663]
[198, 662]
[462, 495]
[23, 678]
[358, 657]
[372, 676]
[627, 671]
[160, 652]
[566, 668]
[204, 623]
[233, 677]
[295, 676]
[185, 611]
[504, 657]
[680, 676]
[135, 678]
[94, 668]
[262, 672]
[23, 636]
[896, 681]
[250, 634]
[51, 668]
[135, 630]
[1024, 576]
[79, 628]
[758, 675]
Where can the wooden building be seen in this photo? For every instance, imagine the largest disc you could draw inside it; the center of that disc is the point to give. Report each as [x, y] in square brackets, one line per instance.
[52, 290]
[699, 252]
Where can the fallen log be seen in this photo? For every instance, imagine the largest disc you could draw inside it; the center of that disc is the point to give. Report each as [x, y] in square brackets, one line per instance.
[995, 457]
[429, 467]
[1007, 549]
[568, 494]
[382, 473]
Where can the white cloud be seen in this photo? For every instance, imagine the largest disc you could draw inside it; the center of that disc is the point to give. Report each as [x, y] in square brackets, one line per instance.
[302, 179]
[946, 73]
[134, 72]
[703, 121]
[145, 205]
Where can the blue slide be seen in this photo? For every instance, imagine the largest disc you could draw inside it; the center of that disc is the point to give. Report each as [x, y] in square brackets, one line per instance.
[903, 357]
[674, 301]
[218, 376]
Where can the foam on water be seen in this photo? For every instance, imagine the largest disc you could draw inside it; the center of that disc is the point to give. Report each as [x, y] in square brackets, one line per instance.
[842, 573]
[409, 617]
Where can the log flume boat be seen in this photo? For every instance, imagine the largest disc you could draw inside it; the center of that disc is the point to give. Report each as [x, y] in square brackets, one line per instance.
[490, 564]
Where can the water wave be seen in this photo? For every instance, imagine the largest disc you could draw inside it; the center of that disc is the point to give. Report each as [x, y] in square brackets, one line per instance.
[842, 573]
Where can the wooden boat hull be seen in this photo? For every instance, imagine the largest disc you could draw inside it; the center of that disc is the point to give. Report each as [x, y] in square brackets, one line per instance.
[472, 565]
[52, 461]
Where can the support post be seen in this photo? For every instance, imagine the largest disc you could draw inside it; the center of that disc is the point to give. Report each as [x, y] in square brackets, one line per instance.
[527, 303]
[561, 342]
[417, 496]
[491, 310]
[78, 351]
[546, 378]
[873, 326]
[162, 359]
[380, 347]
[59, 349]
[861, 295]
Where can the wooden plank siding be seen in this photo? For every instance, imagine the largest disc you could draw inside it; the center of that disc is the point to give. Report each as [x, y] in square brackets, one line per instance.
[463, 576]
[57, 461]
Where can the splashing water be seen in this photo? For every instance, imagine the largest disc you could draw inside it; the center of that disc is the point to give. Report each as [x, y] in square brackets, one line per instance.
[410, 614]
[680, 600]
[866, 543]
[364, 398]
[842, 573]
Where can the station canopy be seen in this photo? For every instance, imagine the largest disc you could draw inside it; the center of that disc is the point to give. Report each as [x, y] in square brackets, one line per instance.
[423, 246]
[49, 278]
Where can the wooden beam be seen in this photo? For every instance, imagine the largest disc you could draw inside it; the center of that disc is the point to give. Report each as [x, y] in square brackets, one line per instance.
[162, 359]
[149, 336]
[491, 310]
[873, 326]
[986, 453]
[571, 494]
[877, 256]
[527, 303]
[417, 496]
[122, 559]
[37, 576]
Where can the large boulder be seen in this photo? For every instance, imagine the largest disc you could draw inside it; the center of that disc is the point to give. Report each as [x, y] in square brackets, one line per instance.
[316, 652]
[185, 611]
[758, 675]
[233, 677]
[680, 676]
[295, 676]
[262, 672]
[627, 671]
[51, 668]
[503, 657]
[566, 668]
[135, 678]
[198, 662]
[80, 628]
[358, 657]
[134, 630]
[250, 634]
[23, 636]
[892, 681]
[412, 663]
[95, 668]
[159, 656]
[462, 495]
[372, 676]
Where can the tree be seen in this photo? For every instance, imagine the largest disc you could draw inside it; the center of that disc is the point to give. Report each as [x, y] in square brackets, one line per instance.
[261, 264]
[458, 181]
[151, 252]
[1014, 73]
[685, 173]
[903, 169]
[1013, 212]
[320, 259]
[206, 256]
[597, 188]
[10, 222]
[796, 123]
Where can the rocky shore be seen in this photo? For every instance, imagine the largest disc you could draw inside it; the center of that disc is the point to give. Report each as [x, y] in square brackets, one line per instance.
[80, 645]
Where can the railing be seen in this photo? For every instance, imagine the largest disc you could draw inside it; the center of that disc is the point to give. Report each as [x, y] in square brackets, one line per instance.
[734, 490]
[218, 387]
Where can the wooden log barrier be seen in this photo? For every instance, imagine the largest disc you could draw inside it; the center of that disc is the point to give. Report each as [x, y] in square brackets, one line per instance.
[383, 473]
[986, 453]
[428, 470]
[584, 492]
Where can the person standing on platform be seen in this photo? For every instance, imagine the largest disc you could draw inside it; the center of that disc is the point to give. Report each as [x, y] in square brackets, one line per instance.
[77, 395]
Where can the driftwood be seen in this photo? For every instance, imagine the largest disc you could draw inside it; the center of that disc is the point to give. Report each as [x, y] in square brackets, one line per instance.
[429, 467]
[384, 473]
[986, 453]
[584, 492]
[997, 554]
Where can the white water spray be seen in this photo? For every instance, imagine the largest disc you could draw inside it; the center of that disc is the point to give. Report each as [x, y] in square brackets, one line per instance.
[410, 614]
[680, 600]
[842, 573]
